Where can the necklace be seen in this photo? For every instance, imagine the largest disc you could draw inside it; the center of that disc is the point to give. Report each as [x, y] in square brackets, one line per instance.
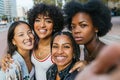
[90, 57]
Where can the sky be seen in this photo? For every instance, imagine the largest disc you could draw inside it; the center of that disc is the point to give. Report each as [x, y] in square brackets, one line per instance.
[25, 3]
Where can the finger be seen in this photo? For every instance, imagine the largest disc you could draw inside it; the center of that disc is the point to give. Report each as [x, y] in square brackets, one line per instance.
[4, 65]
[78, 66]
[6, 62]
[9, 58]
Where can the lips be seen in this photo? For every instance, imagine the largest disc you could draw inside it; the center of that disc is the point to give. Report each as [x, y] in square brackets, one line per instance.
[60, 58]
[78, 38]
[29, 43]
[43, 31]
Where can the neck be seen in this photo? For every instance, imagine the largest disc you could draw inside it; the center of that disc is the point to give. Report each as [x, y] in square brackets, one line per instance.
[92, 45]
[44, 42]
[60, 68]
[25, 54]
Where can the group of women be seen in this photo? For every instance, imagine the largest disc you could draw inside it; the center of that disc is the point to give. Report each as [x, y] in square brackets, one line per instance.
[42, 51]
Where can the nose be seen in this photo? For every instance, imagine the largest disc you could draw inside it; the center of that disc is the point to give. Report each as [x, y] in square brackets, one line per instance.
[42, 24]
[77, 30]
[60, 50]
[27, 36]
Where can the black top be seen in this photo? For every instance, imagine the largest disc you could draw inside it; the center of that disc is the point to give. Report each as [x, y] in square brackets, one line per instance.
[64, 74]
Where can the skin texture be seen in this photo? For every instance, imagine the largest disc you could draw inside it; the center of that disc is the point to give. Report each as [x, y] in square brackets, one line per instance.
[88, 22]
[109, 56]
[85, 33]
[62, 51]
[82, 28]
[23, 38]
[43, 26]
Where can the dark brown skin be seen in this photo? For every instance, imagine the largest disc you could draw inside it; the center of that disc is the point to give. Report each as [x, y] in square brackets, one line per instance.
[108, 56]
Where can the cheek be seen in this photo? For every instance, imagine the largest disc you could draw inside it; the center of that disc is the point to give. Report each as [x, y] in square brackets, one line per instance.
[50, 27]
[69, 53]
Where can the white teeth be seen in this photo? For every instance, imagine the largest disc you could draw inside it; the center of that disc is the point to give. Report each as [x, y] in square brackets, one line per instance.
[42, 31]
[60, 58]
[28, 43]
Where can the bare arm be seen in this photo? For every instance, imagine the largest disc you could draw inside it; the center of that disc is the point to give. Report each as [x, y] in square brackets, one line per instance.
[108, 57]
[6, 62]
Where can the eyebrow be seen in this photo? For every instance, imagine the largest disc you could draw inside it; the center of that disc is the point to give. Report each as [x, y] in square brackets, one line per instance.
[63, 44]
[23, 32]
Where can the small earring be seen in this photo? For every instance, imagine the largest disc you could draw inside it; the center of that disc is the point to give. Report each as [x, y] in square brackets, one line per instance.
[96, 31]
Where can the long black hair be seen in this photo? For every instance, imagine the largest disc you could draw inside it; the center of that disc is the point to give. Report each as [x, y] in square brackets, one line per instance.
[76, 48]
[10, 35]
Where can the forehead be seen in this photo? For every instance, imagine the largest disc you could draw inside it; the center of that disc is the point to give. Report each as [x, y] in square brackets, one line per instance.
[21, 27]
[62, 39]
[43, 15]
[81, 15]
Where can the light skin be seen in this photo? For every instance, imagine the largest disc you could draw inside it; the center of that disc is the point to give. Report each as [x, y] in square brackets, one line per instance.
[43, 27]
[23, 38]
[24, 41]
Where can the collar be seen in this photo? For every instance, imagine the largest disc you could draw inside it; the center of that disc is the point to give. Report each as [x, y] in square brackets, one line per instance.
[64, 73]
[17, 57]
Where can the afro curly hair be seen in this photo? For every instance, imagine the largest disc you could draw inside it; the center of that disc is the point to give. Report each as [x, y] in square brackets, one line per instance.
[55, 13]
[52, 11]
[99, 13]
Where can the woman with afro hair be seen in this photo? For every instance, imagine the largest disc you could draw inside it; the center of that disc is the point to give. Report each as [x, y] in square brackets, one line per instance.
[88, 22]
[45, 21]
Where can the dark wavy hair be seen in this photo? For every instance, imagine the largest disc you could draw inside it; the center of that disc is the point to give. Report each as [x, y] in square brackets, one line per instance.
[10, 36]
[99, 13]
[52, 11]
[76, 48]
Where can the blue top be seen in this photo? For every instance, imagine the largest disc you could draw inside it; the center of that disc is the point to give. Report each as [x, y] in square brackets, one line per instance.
[18, 70]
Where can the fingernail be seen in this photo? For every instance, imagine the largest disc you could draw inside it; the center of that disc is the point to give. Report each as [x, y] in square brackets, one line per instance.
[70, 71]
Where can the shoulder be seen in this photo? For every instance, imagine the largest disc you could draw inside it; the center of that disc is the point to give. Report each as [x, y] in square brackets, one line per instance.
[72, 75]
[51, 72]
[52, 69]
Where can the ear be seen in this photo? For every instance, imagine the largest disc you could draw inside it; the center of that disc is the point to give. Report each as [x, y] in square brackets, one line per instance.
[13, 41]
[96, 29]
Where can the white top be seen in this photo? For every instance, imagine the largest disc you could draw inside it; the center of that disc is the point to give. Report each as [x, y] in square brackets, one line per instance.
[41, 66]
[82, 52]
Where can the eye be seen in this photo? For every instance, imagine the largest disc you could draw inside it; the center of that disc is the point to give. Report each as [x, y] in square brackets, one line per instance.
[54, 46]
[66, 46]
[30, 32]
[83, 25]
[48, 20]
[21, 35]
[37, 20]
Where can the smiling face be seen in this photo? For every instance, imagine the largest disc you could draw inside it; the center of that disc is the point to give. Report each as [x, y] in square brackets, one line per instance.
[82, 28]
[43, 26]
[23, 37]
[62, 51]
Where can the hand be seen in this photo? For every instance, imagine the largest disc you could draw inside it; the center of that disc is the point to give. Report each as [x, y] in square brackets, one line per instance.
[78, 66]
[108, 57]
[6, 62]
